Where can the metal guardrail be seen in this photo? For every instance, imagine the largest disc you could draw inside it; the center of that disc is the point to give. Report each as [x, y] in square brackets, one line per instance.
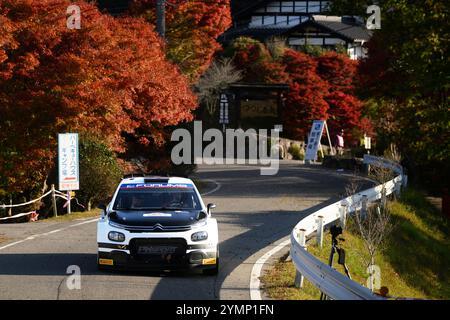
[332, 283]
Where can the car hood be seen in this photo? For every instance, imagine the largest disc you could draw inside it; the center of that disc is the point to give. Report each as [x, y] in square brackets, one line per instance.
[150, 218]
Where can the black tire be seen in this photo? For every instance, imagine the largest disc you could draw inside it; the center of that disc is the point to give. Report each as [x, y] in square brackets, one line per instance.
[213, 271]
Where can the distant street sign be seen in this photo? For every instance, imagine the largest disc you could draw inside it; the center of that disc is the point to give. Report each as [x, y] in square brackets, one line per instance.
[68, 164]
[367, 142]
[223, 116]
[314, 140]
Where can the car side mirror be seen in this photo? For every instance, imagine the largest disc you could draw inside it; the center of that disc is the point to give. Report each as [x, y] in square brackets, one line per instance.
[210, 206]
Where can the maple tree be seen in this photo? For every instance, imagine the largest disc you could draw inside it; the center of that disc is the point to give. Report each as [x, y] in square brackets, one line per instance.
[345, 109]
[192, 29]
[321, 87]
[110, 78]
[305, 100]
[256, 61]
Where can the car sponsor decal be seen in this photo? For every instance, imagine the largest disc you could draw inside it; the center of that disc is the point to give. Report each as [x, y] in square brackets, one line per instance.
[107, 262]
[209, 261]
[157, 186]
[157, 214]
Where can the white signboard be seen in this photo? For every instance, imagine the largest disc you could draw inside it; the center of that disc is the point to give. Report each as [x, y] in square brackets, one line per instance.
[68, 165]
[314, 140]
[367, 142]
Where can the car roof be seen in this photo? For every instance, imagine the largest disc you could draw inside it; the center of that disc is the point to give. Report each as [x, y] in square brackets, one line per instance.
[149, 179]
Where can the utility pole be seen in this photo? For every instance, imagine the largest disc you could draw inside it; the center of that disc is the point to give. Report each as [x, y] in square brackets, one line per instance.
[161, 18]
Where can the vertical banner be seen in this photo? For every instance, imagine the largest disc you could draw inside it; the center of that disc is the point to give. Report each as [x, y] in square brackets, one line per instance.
[68, 164]
[223, 116]
[314, 140]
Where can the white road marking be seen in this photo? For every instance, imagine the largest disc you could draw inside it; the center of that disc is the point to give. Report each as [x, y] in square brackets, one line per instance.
[218, 186]
[255, 283]
[32, 237]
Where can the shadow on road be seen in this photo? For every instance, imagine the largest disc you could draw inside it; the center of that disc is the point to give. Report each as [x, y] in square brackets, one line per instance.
[248, 231]
[258, 228]
[265, 228]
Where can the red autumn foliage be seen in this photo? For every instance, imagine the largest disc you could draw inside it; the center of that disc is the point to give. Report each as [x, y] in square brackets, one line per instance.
[109, 79]
[320, 87]
[256, 62]
[305, 101]
[345, 108]
[192, 29]
[338, 70]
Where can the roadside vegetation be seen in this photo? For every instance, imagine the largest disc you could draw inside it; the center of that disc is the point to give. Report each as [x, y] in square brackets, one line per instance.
[74, 216]
[414, 264]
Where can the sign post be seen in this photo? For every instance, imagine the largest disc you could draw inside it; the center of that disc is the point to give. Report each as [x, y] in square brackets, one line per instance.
[68, 164]
[367, 143]
[223, 116]
[314, 140]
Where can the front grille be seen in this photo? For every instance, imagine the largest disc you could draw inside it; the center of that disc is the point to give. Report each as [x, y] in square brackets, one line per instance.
[155, 228]
[164, 251]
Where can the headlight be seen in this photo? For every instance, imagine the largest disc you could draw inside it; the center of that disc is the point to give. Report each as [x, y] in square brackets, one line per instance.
[199, 236]
[116, 236]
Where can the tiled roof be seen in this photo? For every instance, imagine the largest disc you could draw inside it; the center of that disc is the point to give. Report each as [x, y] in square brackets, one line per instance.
[351, 31]
[348, 30]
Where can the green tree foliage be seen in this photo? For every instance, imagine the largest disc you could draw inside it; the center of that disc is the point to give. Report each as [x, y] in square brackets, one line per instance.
[407, 72]
[99, 172]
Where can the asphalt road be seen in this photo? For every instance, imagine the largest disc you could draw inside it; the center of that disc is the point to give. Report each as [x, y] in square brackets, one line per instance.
[253, 212]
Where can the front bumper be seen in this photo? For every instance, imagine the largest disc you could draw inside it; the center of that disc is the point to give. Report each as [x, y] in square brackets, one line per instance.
[186, 255]
[119, 259]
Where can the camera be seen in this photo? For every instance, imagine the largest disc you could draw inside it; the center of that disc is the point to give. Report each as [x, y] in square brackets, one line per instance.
[335, 231]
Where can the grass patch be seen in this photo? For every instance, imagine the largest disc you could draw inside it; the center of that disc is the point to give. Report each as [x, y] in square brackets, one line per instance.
[415, 264]
[73, 216]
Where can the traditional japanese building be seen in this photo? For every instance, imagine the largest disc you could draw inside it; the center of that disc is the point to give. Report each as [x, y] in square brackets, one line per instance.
[300, 23]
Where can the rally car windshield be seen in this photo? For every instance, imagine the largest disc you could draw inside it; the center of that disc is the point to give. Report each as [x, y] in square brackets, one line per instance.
[159, 196]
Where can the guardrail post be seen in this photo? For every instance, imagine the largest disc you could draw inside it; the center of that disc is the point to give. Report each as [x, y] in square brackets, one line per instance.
[302, 241]
[383, 197]
[319, 231]
[364, 207]
[69, 210]
[343, 215]
[55, 209]
[404, 180]
[397, 188]
[10, 208]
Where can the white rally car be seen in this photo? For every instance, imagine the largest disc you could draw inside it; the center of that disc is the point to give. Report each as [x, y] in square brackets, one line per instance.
[157, 223]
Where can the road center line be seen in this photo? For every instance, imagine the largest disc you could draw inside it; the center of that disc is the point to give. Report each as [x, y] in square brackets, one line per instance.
[32, 237]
